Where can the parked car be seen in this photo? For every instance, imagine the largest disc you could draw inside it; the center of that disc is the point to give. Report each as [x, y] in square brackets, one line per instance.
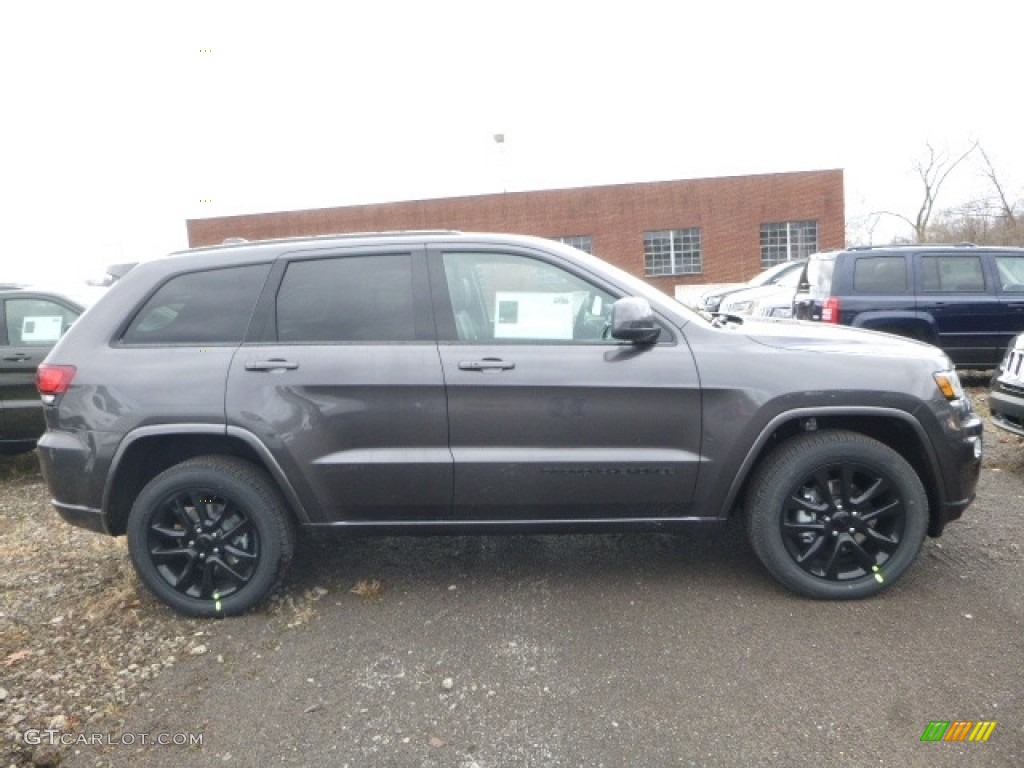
[31, 322]
[711, 300]
[775, 299]
[217, 400]
[966, 299]
[1006, 392]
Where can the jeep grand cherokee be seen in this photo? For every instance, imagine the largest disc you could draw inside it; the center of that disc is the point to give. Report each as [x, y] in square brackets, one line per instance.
[216, 400]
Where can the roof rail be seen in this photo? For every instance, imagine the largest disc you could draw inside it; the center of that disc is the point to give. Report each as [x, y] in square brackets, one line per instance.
[334, 235]
[911, 245]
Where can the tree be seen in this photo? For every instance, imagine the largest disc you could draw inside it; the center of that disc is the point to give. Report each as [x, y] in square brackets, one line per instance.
[933, 172]
[990, 220]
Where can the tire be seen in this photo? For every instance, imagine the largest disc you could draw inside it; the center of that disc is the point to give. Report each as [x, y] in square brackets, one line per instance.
[210, 536]
[836, 515]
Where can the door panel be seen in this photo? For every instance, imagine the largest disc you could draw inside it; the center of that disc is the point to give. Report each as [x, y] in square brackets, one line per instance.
[955, 291]
[547, 419]
[33, 325]
[347, 390]
[360, 429]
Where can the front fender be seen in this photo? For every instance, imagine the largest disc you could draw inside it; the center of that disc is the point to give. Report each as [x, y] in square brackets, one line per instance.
[795, 420]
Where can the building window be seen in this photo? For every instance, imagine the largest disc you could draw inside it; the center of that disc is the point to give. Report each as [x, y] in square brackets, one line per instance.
[785, 240]
[672, 252]
[583, 242]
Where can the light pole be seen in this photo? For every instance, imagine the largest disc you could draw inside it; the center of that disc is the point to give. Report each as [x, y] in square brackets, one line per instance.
[499, 139]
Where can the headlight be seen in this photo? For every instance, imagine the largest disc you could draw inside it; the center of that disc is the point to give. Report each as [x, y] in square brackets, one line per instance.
[740, 307]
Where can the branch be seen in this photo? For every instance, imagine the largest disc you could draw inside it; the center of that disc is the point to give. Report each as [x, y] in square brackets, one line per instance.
[990, 172]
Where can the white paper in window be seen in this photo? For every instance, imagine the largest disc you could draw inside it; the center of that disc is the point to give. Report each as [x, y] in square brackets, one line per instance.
[41, 328]
[520, 315]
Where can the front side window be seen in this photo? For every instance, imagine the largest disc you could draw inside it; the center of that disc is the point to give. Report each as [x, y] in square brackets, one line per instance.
[1011, 273]
[208, 307]
[36, 322]
[347, 299]
[952, 274]
[502, 297]
[672, 252]
[787, 240]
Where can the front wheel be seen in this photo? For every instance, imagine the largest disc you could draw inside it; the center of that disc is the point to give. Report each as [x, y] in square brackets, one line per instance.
[210, 536]
[836, 515]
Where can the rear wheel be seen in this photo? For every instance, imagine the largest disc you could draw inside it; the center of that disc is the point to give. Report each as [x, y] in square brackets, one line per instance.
[210, 536]
[836, 515]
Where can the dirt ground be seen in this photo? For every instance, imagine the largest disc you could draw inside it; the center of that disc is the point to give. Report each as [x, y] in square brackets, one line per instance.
[514, 651]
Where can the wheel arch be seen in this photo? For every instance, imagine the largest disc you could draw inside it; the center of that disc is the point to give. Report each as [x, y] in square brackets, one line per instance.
[894, 428]
[148, 451]
[912, 325]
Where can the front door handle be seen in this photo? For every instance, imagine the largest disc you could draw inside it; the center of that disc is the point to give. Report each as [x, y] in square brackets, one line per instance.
[271, 365]
[487, 364]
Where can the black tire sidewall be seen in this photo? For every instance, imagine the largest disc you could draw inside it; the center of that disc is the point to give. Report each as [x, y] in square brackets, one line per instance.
[800, 458]
[245, 486]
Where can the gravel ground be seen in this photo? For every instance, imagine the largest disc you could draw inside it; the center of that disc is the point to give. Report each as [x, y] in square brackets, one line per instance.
[80, 639]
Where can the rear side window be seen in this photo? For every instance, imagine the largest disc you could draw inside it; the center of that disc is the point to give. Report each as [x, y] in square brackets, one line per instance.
[347, 299]
[952, 274]
[880, 274]
[208, 307]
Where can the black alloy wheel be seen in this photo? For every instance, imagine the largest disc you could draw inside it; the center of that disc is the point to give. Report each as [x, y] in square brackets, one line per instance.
[836, 515]
[210, 536]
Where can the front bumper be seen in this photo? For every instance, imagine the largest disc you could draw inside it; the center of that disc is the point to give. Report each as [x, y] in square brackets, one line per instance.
[961, 474]
[1006, 404]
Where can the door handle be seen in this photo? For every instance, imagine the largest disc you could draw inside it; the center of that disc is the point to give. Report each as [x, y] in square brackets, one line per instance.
[271, 365]
[487, 364]
[19, 357]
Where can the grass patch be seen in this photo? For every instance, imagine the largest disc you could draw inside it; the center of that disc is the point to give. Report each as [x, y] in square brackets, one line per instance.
[21, 468]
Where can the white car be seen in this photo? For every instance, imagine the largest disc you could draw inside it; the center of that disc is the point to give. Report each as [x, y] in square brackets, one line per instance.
[774, 299]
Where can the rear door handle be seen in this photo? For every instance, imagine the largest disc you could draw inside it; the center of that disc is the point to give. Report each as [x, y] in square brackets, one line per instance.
[487, 364]
[19, 357]
[271, 365]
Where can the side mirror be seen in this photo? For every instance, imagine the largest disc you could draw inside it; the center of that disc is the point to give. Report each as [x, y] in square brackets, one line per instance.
[633, 320]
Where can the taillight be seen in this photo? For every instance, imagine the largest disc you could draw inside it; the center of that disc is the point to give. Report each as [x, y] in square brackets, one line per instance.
[53, 381]
[830, 310]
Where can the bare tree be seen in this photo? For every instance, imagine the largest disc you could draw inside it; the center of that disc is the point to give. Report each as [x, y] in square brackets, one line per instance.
[1005, 206]
[933, 172]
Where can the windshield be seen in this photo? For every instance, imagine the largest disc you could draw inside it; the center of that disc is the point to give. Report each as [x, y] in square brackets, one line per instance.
[772, 273]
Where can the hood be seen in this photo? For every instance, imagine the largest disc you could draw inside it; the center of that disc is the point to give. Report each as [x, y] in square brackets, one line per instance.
[836, 340]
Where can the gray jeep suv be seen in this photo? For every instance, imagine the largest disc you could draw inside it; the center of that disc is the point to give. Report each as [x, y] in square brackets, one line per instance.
[215, 401]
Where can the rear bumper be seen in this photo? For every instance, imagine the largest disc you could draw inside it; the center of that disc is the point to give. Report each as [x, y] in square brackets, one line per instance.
[82, 517]
[69, 464]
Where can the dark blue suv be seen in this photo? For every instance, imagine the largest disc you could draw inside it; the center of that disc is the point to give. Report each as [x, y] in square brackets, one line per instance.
[966, 299]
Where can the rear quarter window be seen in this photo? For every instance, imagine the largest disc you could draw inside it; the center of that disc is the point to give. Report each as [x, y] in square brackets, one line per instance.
[880, 274]
[819, 276]
[207, 307]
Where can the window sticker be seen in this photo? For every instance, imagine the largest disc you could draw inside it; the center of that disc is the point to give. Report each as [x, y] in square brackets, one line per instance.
[522, 315]
[41, 328]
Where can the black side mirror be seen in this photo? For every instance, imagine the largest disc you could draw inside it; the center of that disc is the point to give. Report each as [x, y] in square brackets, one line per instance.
[633, 320]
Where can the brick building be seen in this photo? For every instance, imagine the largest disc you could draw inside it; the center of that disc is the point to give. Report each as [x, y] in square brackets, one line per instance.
[672, 233]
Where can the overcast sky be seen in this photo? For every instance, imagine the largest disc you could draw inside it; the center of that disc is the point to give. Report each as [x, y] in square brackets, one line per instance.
[119, 122]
